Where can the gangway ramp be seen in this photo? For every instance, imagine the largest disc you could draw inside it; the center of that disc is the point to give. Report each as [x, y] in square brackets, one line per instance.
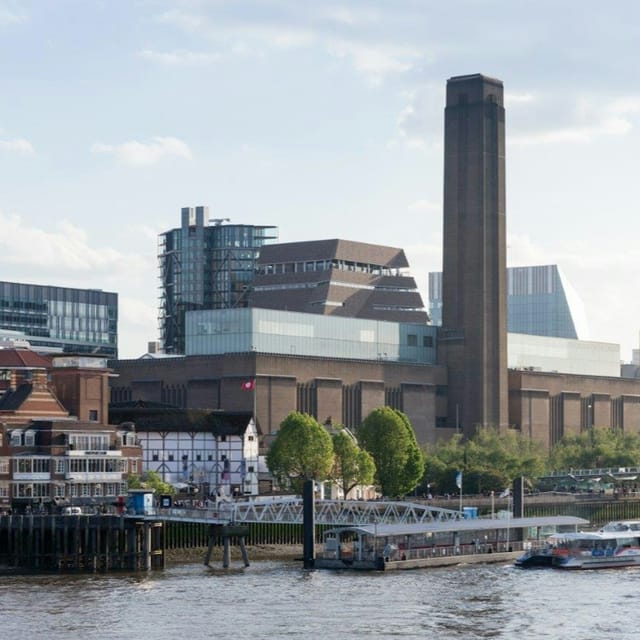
[327, 512]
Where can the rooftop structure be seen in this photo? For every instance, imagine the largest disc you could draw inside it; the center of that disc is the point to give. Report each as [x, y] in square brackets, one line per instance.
[340, 278]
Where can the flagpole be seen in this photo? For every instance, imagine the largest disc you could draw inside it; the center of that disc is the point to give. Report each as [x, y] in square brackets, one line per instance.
[255, 419]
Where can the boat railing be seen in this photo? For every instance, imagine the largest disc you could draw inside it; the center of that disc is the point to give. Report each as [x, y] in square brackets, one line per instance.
[419, 553]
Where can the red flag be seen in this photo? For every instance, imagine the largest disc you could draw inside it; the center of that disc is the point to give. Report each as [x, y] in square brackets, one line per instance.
[249, 385]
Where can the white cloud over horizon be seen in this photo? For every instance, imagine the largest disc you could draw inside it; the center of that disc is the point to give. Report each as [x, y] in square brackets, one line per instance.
[17, 145]
[139, 154]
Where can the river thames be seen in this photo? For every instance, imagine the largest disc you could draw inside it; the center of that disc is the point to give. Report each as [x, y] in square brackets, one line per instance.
[277, 599]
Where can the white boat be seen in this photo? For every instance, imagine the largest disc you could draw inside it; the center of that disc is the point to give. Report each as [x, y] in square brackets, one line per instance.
[617, 544]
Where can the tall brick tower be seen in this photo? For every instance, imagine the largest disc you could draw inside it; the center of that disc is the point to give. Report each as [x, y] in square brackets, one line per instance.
[473, 340]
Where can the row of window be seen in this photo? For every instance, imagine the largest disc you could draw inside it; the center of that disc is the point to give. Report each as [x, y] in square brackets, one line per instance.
[69, 465]
[61, 490]
[325, 265]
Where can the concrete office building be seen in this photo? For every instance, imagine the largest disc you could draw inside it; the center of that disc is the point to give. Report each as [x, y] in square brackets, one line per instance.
[60, 319]
[540, 301]
[205, 266]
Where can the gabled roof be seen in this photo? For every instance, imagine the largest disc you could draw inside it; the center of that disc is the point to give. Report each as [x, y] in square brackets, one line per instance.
[23, 359]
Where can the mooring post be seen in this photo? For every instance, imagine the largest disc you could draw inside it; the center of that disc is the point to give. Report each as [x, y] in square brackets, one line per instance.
[308, 525]
[226, 555]
[243, 551]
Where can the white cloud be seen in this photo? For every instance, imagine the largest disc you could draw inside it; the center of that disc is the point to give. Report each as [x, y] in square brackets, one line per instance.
[374, 60]
[588, 120]
[424, 206]
[139, 154]
[179, 57]
[418, 124]
[340, 31]
[18, 145]
[65, 252]
[8, 17]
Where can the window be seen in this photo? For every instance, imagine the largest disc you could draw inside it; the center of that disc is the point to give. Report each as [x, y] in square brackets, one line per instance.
[412, 340]
[427, 341]
[4, 465]
[250, 469]
[155, 456]
[93, 415]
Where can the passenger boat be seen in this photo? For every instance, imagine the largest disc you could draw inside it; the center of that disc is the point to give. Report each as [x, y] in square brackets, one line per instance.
[617, 544]
[537, 556]
[387, 547]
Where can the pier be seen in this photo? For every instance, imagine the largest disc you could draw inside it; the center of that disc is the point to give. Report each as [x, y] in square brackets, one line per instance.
[80, 543]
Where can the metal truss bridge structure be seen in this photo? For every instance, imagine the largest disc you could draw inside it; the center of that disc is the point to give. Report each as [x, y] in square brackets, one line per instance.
[327, 512]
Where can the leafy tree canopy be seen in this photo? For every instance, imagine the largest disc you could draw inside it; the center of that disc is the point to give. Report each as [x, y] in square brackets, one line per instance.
[150, 480]
[389, 436]
[489, 461]
[352, 465]
[302, 450]
[596, 448]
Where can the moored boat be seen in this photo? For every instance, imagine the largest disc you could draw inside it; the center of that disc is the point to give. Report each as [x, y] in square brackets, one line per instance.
[389, 547]
[617, 544]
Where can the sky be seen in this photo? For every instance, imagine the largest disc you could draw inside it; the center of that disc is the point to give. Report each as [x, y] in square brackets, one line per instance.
[324, 119]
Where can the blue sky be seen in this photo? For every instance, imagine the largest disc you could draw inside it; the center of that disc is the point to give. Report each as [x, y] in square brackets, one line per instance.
[323, 118]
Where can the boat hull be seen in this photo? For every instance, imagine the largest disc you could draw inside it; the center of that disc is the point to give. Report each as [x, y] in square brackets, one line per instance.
[415, 563]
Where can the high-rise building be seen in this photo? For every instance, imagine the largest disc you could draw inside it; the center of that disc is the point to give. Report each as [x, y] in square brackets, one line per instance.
[340, 278]
[63, 319]
[473, 338]
[540, 302]
[205, 266]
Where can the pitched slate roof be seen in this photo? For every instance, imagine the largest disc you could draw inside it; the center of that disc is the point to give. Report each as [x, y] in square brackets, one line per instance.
[12, 400]
[23, 359]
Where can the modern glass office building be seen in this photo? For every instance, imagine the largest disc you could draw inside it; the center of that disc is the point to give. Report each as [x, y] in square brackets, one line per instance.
[205, 266]
[540, 302]
[82, 321]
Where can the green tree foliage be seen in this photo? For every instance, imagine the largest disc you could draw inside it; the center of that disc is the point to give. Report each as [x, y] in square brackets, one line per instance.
[302, 450]
[389, 437]
[595, 448]
[489, 461]
[150, 480]
[352, 465]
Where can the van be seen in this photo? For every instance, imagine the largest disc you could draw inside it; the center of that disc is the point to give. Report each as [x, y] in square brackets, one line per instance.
[72, 511]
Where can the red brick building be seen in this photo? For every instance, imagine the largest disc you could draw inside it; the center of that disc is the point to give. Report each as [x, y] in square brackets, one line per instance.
[56, 446]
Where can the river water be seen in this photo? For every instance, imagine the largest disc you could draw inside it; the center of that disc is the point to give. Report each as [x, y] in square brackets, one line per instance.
[278, 599]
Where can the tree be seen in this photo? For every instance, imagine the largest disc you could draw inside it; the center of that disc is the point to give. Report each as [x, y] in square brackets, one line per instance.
[389, 437]
[352, 465]
[597, 447]
[490, 461]
[302, 450]
[150, 480]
